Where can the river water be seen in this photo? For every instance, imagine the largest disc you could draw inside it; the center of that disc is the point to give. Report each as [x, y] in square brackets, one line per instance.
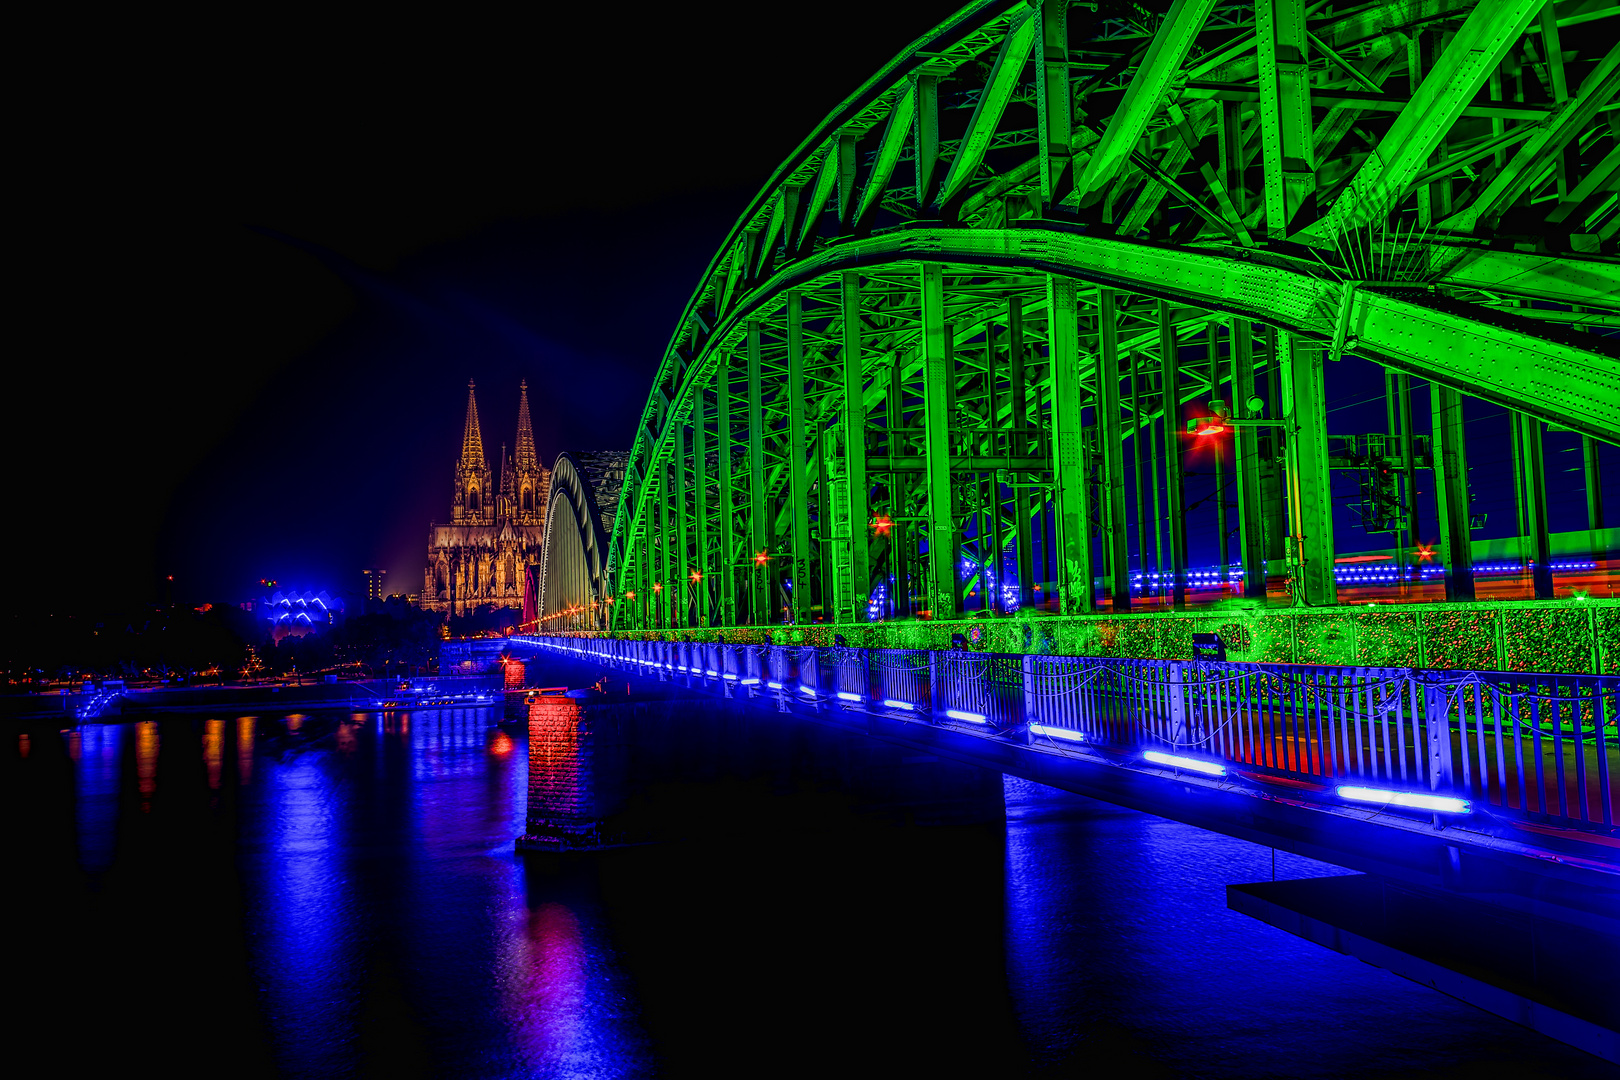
[336, 894]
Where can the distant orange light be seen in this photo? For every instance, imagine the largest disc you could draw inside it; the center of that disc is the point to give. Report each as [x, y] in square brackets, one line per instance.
[657, 587]
[881, 524]
[1425, 552]
[696, 577]
[1215, 430]
[759, 558]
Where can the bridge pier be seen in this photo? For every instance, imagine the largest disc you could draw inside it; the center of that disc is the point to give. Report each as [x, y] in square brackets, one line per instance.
[576, 775]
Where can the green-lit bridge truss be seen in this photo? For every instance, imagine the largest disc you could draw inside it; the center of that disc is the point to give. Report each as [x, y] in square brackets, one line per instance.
[1028, 242]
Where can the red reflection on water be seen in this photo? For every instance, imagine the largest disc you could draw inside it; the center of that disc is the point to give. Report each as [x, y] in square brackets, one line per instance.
[22, 744]
[501, 743]
[75, 745]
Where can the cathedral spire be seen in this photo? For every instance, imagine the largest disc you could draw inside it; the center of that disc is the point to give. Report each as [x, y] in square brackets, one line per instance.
[525, 432]
[472, 439]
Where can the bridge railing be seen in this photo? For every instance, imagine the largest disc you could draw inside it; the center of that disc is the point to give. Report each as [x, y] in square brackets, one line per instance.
[1541, 746]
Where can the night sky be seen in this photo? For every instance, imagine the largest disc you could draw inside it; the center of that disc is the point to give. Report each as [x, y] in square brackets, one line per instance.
[261, 254]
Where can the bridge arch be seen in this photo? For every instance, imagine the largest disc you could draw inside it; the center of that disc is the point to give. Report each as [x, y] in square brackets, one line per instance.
[1042, 233]
[572, 582]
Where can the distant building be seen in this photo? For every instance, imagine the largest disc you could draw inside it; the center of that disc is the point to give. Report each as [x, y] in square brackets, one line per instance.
[479, 558]
[374, 583]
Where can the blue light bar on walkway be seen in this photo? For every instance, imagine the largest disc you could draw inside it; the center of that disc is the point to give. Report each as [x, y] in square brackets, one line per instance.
[1057, 732]
[1440, 804]
[963, 714]
[1176, 761]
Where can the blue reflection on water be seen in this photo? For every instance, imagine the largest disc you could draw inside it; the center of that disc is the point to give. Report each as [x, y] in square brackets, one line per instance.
[309, 916]
[390, 887]
[96, 769]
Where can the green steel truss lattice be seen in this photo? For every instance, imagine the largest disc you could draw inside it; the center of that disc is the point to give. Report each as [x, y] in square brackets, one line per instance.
[1041, 229]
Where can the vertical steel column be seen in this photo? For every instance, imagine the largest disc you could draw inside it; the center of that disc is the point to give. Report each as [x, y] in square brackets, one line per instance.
[677, 585]
[1112, 518]
[701, 565]
[726, 563]
[1413, 522]
[1272, 497]
[1392, 425]
[850, 519]
[1451, 491]
[1054, 105]
[1175, 496]
[944, 593]
[1023, 535]
[1534, 485]
[661, 580]
[990, 526]
[1137, 476]
[1594, 496]
[760, 601]
[798, 484]
[899, 531]
[1310, 495]
[1246, 454]
[1223, 552]
[1288, 155]
[1076, 571]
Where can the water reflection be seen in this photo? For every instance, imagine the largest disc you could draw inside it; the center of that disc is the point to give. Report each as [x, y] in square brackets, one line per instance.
[146, 761]
[96, 753]
[244, 748]
[214, 751]
[389, 929]
[308, 952]
[565, 1007]
[22, 744]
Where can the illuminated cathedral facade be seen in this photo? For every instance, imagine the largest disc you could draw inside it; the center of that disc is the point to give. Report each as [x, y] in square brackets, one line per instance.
[480, 557]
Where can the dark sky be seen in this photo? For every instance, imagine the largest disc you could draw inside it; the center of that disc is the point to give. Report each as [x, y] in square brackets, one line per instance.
[262, 253]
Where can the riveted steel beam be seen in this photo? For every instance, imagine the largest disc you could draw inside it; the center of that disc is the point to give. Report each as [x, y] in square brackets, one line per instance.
[1143, 96]
[992, 103]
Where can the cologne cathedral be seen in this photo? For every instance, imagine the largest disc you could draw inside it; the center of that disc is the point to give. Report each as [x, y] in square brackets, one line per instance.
[481, 557]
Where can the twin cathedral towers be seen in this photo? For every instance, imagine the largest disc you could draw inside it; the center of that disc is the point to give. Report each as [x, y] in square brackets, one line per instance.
[481, 556]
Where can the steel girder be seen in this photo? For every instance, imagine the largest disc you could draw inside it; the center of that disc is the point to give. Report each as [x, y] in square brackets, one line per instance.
[1458, 229]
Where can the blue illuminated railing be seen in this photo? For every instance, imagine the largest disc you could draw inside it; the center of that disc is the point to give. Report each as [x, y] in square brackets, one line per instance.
[1524, 744]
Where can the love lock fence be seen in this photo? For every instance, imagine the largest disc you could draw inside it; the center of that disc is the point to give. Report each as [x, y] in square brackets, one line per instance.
[1525, 744]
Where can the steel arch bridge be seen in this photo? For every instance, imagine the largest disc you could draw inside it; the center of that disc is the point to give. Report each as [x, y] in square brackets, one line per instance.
[981, 295]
